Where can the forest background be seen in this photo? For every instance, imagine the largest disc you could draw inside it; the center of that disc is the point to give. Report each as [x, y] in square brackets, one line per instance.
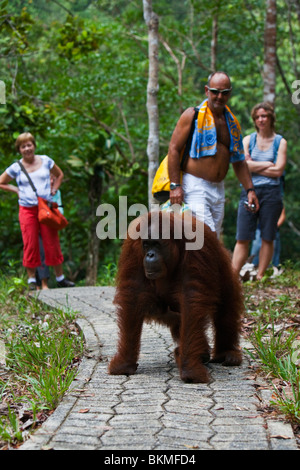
[75, 75]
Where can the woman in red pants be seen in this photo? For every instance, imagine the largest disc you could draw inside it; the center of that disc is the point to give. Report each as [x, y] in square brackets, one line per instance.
[39, 168]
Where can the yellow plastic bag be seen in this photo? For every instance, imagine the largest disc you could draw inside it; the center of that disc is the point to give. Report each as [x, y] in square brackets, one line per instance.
[161, 182]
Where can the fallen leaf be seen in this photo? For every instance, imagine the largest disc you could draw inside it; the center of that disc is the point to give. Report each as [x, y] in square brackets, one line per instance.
[84, 410]
[27, 424]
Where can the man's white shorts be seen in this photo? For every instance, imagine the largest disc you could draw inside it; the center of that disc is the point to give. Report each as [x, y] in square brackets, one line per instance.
[205, 199]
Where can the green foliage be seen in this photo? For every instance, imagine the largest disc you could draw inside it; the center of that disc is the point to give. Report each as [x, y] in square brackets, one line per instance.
[10, 428]
[75, 40]
[107, 273]
[76, 77]
[272, 309]
[16, 29]
[42, 350]
[272, 349]
[277, 354]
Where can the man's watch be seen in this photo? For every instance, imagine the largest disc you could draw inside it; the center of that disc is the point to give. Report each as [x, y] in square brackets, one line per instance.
[174, 185]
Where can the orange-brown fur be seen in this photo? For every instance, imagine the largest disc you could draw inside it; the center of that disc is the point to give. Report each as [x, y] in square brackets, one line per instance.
[199, 287]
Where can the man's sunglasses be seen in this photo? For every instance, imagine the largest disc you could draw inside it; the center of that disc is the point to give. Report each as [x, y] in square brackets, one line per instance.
[215, 91]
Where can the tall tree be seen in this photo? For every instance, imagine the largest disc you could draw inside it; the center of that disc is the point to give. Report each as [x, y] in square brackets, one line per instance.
[214, 39]
[152, 22]
[269, 74]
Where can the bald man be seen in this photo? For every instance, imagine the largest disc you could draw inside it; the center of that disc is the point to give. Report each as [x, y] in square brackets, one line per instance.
[202, 187]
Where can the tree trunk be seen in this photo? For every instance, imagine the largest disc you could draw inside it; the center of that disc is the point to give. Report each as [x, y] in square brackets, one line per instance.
[214, 43]
[270, 53]
[151, 20]
[94, 194]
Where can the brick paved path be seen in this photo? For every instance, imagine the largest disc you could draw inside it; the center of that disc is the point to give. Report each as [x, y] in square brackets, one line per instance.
[154, 409]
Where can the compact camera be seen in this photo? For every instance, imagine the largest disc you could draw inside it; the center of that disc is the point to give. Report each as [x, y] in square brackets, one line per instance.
[250, 207]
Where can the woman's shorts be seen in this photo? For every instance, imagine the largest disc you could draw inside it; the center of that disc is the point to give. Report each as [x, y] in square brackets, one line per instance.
[270, 207]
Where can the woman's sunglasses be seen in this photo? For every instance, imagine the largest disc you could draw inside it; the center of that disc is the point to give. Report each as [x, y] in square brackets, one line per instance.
[215, 91]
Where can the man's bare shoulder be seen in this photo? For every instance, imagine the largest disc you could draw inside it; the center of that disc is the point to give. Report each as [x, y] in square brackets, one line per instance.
[189, 112]
[182, 130]
[187, 117]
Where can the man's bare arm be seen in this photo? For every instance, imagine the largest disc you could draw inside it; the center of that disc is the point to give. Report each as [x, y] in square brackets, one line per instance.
[177, 143]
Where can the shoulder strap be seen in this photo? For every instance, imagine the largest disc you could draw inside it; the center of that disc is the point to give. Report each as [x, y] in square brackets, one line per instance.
[189, 140]
[252, 142]
[29, 179]
[277, 141]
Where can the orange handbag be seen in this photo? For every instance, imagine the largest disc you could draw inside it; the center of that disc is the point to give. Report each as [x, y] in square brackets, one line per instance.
[48, 212]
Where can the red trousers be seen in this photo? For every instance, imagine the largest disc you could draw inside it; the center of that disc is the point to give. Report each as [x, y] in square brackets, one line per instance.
[30, 228]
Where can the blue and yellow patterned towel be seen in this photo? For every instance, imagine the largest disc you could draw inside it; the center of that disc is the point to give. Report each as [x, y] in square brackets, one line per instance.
[204, 142]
